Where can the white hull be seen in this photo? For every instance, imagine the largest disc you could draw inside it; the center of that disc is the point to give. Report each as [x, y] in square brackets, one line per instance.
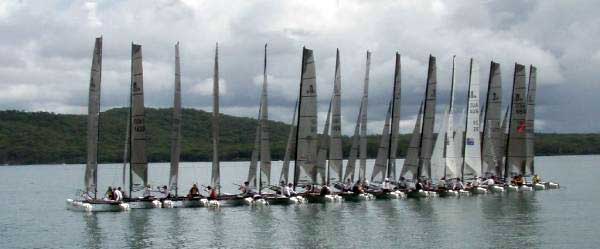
[512, 188]
[464, 193]
[552, 185]
[139, 204]
[333, 198]
[194, 203]
[396, 195]
[366, 197]
[451, 193]
[95, 207]
[525, 188]
[496, 189]
[539, 186]
[479, 190]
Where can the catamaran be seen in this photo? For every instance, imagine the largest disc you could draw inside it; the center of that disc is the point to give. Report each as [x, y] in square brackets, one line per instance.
[89, 200]
[493, 135]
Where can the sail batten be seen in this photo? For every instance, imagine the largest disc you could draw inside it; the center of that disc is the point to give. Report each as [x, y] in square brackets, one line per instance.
[176, 126]
[91, 168]
[472, 146]
[138, 161]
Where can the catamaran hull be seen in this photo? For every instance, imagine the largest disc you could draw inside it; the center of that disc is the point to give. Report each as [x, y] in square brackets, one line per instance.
[144, 204]
[448, 193]
[418, 194]
[512, 188]
[479, 190]
[551, 185]
[194, 203]
[83, 206]
[525, 188]
[496, 189]
[539, 186]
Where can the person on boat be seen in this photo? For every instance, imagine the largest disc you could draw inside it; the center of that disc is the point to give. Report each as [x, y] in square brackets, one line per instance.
[441, 184]
[386, 186]
[347, 186]
[418, 185]
[402, 183]
[212, 193]
[286, 191]
[194, 192]
[118, 194]
[357, 188]
[148, 192]
[458, 184]
[109, 195]
[325, 190]
[477, 182]
[489, 182]
[536, 179]
[123, 194]
[519, 180]
[290, 188]
[246, 190]
[165, 192]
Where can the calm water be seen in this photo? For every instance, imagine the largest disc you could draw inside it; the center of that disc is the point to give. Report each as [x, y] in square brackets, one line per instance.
[33, 215]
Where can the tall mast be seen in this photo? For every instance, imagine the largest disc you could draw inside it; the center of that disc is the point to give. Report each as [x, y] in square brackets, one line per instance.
[176, 126]
[216, 176]
[93, 130]
[296, 168]
[393, 139]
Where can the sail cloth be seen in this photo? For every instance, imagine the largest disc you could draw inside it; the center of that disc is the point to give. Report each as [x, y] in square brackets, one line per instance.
[254, 157]
[516, 149]
[503, 140]
[450, 151]
[176, 126]
[289, 149]
[438, 162]
[459, 141]
[265, 144]
[351, 164]
[411, 162]
[305, 171]
[472, 144]
[395, 128]
[379, 168]
[492, 135]
[91, 167]
[335, 141]
[215, 180]
[323, 148]
[139, 162]
[529, 121]
[426, 145]
[363, 122]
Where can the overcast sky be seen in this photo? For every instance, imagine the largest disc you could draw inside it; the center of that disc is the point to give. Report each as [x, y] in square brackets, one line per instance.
[46, 49]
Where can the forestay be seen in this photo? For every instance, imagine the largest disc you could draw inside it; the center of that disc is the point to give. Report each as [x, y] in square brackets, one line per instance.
[91, 167]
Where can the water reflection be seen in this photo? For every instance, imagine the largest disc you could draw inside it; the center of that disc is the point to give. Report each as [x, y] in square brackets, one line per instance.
[511, 220]
[139, 227]
[261, 222]
[217, 229]
[93, 231]
[176, 228]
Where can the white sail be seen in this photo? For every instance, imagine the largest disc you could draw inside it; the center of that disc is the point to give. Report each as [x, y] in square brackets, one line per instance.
[215, 180]
[516, 149]
[395, 128]
[428, 121]
[459, 142]
[450, 152]
[472, 143]
[438, 162]
[363, 122]
[411, 162]
[351, 164]
[324, 148]
[91, 167]
[379, 168]
[335, 141]
[503, 139]
[492, 135]
[138, 160]
[305, 171]
[265, 144]
[254, 157]
[176, 126]
[529, 123]
[289, 149]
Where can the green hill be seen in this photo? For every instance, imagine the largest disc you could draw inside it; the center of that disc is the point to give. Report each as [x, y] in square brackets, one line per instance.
[44, 138]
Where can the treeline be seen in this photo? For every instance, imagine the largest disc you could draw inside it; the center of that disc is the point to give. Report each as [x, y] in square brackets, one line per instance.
[48, 138]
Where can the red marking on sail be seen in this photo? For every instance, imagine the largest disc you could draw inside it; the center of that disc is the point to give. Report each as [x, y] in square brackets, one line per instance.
[521, 127]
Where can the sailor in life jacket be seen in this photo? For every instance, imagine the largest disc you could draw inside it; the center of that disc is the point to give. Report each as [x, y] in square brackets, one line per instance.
[212, 193]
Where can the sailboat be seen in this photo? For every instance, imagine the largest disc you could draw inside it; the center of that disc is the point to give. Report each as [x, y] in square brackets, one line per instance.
[89, 200]
[425, 146]
[516, 150]
[471, 166]
[138, 162]
[362, 170]
[305, 168]
[384, 168]
[493, 135]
